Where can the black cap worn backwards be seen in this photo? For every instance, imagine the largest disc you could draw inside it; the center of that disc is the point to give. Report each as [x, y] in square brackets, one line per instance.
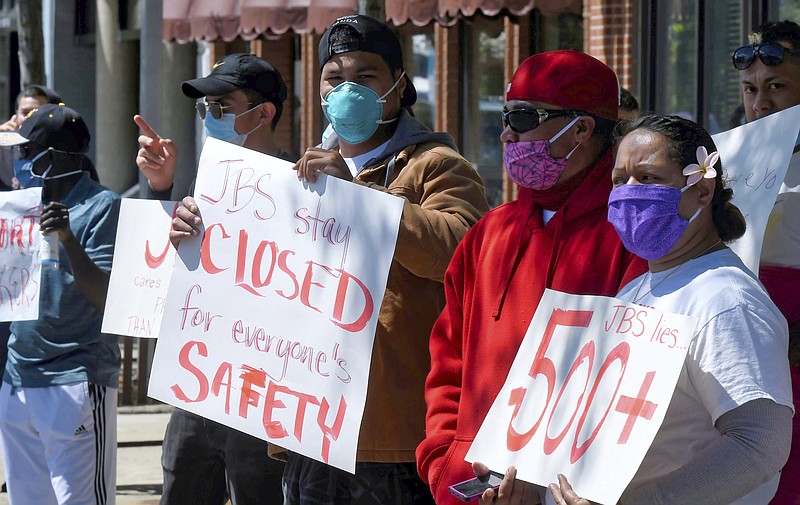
[51, 125]
[358, 32]
[239, 71]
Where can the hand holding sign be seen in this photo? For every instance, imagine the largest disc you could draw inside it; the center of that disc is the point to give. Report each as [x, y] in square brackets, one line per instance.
[590, 384]
[321, 161]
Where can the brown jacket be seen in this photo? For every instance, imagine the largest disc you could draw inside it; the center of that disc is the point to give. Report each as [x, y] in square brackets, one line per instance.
[444, 196]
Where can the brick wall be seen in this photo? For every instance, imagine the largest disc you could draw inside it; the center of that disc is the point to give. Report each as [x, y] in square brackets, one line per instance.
[608, 35]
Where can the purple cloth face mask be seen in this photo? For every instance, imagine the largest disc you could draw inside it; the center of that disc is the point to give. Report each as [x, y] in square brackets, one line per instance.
[646, 218]
[530, 164]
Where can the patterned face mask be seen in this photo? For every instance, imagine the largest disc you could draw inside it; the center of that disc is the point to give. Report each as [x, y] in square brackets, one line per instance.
[530, 164]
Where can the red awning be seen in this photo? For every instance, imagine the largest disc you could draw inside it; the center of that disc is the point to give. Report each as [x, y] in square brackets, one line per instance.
[422, 12]
[193, 20]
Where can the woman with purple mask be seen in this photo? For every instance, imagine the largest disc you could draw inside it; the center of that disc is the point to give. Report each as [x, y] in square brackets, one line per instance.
[727, 429]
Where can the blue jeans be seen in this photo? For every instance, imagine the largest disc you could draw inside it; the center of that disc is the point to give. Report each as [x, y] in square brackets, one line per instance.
[205, 462]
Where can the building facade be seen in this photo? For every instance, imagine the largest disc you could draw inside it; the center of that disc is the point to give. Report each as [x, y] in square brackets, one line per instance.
[111, 59]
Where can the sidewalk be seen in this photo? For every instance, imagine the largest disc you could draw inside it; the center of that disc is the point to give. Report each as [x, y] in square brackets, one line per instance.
[140, 431]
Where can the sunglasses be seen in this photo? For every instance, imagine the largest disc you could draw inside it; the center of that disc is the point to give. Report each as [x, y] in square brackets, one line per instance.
[524, 120]
[770, 54]
[216, 109]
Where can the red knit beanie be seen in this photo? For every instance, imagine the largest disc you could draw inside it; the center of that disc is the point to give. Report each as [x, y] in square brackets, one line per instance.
[569, 79]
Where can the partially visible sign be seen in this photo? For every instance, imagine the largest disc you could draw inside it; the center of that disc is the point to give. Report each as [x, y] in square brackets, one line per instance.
[143, 258]
[755, 157]
[19, 254]
[587, 392]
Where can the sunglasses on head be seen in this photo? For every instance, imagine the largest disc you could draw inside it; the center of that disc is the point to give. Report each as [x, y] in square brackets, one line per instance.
[770, 54]
[523, 120]
[216, 109]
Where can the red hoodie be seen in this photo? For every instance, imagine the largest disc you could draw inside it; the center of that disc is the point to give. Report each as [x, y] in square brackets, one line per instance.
[492, 286]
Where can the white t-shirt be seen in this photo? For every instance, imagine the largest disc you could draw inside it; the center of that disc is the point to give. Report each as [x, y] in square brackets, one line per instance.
[357, 162]
[738, 354]
[782, 237]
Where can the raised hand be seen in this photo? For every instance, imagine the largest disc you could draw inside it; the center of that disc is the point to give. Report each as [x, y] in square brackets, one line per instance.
[157, 157]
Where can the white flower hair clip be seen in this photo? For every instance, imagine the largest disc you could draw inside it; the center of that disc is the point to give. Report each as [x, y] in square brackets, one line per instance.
[704, 168]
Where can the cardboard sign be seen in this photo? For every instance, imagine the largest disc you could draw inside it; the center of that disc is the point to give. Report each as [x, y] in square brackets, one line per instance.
[586, 394]
[143, 258]
[755, 157]
[19, 254]
[271, 312]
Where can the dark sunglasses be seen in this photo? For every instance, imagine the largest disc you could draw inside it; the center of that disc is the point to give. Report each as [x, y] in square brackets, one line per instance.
[216, 109]
[524, 120]
[770, 54]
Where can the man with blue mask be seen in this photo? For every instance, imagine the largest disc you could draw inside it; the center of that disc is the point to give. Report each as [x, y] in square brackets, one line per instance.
[377, 143]
[769, 67]
[205, 462]
[366, 96]
[62, 363]
[240, 102]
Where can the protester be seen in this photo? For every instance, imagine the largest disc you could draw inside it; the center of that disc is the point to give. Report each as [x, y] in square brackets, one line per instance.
[628, 105]
[726, 431]
[206, 462]
[770, 78]
[29, 98]
[58, 407]
[560, 112]
[378, 144]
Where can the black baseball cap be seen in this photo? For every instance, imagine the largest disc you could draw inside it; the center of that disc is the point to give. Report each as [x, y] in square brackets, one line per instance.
[365, 33]
[52, 125]
[239, 71]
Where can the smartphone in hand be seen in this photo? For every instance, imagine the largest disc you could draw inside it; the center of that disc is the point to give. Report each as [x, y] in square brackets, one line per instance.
[472, 489]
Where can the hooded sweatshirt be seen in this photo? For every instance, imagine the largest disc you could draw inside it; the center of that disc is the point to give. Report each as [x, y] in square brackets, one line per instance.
[493, 286]
[443, 196]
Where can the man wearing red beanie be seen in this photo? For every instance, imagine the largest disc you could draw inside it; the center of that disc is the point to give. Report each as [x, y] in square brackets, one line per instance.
[560, 112]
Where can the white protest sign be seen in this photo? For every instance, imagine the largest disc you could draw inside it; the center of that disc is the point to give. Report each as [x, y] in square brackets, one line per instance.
[587, 392]
[755, 157]
[272, 310]
[143, 258]
[19, 259]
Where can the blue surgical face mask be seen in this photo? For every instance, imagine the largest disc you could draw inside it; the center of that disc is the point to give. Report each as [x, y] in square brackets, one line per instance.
[23, 171]
[355, 111]
[225, 129]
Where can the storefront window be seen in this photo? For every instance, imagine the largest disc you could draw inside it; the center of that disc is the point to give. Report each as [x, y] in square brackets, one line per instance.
[691, 74]
[483, 81]
[785, 9]
[723, 36]
[423, 76]
[676, 76]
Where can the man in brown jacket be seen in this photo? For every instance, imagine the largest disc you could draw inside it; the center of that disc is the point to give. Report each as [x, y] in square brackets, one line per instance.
[377, 143]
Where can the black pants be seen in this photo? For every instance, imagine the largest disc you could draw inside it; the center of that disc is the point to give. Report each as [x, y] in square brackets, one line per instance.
[309, 482]
[206, 462]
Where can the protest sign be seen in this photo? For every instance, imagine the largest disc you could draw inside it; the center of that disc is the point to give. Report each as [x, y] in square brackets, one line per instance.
[19, 259]
[587, 392]
[755, 157]
[272, 310]
[143, 258]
